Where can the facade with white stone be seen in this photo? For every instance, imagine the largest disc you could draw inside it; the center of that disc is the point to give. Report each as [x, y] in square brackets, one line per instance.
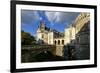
[53, 37]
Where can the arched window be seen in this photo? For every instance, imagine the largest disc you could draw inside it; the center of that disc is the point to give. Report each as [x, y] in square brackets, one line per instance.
[58, 42]
[63, 42]
[42, 36]
[55, 42]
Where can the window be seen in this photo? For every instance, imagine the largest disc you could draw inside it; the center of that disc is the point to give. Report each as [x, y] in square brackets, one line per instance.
[63, 42]
[42, 36]
[58, 42]
[55, 42]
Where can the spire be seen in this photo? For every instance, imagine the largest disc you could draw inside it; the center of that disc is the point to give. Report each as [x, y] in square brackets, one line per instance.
[42, 24]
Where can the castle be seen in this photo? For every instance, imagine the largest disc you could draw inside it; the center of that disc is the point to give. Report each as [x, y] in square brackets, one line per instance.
[69, 36]
[53, 37]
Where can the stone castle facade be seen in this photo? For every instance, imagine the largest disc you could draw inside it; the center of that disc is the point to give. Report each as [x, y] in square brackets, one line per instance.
[76, 34]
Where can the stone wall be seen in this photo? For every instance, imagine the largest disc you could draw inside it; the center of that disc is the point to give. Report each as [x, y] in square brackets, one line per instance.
[83, 42]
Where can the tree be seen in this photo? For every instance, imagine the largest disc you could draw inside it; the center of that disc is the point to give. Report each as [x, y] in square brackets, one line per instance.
[26, 38]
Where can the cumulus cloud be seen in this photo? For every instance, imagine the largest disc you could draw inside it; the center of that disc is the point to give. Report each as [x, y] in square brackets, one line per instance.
[29, 16]
[61, 17]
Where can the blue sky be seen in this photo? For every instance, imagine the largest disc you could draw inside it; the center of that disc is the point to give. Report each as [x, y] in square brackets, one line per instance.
[30, 20]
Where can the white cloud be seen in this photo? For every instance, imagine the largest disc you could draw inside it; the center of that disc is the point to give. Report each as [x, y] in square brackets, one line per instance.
[51, 16]
[61, 17]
